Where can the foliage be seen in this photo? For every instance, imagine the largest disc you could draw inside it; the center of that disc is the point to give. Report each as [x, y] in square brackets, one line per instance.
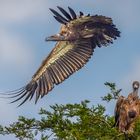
[71, 122]
[114, 93]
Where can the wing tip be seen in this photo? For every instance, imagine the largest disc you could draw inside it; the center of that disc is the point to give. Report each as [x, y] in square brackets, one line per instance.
[68, 16]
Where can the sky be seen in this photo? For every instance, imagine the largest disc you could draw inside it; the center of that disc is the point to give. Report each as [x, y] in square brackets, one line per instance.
[24, 25]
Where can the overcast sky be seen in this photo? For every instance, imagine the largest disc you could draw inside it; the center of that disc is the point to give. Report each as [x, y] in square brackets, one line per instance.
[23, 28]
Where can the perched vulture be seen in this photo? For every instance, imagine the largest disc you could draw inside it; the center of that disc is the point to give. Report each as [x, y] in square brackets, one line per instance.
[75, 43]
[127, 110]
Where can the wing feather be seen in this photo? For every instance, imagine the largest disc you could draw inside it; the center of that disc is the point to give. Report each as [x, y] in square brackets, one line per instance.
[18, 94]
[69, 64]
[49, 81]
[78, 57]
[65, 66]
[61, 71]
[42, 92]
[33, 90]
[54, 75]
[75, 64]
[65, 13]
[78, 62]
[72, 13]
[22, 95]
[57, 74]
[38, 89]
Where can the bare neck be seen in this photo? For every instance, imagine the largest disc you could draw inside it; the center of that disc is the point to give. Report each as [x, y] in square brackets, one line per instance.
[135, 91]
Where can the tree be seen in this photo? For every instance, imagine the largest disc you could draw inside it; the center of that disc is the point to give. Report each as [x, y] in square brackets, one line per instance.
[72, 122]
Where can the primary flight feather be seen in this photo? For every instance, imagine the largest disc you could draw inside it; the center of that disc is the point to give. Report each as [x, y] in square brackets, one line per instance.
[79, 35]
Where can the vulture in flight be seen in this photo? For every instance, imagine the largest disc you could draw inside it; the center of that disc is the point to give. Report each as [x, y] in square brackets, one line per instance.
[127, 110]
[75, 43]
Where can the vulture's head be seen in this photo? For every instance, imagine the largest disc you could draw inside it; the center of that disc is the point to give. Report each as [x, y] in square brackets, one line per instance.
[97, 28]
[135, 85]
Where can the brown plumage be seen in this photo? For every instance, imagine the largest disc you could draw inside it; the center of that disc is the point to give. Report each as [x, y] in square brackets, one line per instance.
[127, 110]
[79, 36]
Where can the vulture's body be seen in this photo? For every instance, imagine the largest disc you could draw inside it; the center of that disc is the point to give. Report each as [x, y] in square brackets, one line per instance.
[78, 37]
[127, 110]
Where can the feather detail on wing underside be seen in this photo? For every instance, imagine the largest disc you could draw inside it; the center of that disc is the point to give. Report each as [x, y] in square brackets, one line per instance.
[65, 59]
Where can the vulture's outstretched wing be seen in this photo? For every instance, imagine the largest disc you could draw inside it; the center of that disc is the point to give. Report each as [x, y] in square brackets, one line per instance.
[77, 40]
